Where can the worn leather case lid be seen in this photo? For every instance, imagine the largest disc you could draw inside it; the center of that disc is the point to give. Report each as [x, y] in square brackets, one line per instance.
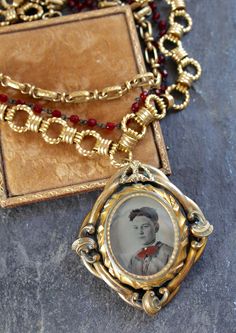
[83, 51]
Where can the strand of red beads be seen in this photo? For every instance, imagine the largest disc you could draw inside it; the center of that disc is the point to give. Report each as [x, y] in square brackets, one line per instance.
[74, 119]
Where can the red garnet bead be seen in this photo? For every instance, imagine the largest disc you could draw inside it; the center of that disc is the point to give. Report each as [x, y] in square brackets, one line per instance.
[37, 108]
[143, 95]
[162, 33]
[135, 107]
[56, 113]
[71, 3]
[162, 89]
[3, 98]
[74, 119]
[153, 5]
[79, 6]
[88, 3]
[92, 122]
[161, 59]
[110, 126]
[162, 25]
[20, 101]
[156, 16]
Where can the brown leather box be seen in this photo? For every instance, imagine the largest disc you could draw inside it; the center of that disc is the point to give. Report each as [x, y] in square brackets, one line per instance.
[77, 52]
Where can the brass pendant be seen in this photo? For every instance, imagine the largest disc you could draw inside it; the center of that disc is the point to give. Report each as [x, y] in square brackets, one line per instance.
[142, 237]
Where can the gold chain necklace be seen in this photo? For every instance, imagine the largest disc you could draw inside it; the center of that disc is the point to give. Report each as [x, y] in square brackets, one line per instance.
[143, 234]
[28, 10]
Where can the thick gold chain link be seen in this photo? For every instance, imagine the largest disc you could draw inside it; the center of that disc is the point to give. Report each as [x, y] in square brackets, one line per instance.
[27, 11]
[129, 137]
[141, 12]
[155, 107]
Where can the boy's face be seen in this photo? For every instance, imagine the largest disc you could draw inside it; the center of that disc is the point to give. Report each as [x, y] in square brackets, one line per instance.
[144, 230]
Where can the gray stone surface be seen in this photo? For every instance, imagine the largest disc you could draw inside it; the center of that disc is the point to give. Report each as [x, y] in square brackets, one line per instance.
[43, 286]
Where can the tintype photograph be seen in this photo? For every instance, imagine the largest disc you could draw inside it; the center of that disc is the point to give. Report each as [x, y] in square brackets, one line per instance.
[142, 235]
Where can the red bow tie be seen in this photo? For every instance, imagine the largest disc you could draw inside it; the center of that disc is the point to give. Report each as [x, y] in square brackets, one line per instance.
[149, 251]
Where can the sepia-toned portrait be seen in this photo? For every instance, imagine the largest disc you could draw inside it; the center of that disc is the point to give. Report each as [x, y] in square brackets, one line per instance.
[142, 235]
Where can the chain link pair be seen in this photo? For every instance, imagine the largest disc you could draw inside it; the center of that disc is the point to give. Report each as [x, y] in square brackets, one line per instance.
[171, 46]
[80, 96]
[70, 135]
[27, 11]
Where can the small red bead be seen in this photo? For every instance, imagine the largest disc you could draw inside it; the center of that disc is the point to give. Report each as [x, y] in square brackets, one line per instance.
[74, 119]
[162, 25]
[79, 6]
[164, 73]
[153, 5]
[56, 113]
[161, 59]
[92, 122]
[110, 126]
[135, 107]
[158, 92]
[88, 3]
[20, 101]
[162, 33]
[162, 89]
[156, 16]
[143, 95]
[3, 98]
[37, 108]
[71, 3]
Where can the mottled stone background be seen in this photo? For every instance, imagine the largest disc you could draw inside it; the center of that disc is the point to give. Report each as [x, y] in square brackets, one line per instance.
[43, 286]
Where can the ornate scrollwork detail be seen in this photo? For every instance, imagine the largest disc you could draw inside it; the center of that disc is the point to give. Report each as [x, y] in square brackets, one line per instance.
[136, 172]
[201, 227]
[84, 247]
[191, 230]
[151, 303]
[88, 229]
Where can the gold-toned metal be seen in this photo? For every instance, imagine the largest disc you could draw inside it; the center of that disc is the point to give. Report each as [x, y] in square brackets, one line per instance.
[24, 10]
[140, 80]
[80, 136]
[115, 149]
[177, 4]
[94, 244]
[181, 14]
[171, 39]
[29, 10]
[146, 33]
[34, 122]
[178, 53]
[45, 126]
[176, 30]
[160, 111]
[102, 146]
[182, 89]
[11, 113]
[9, 15]
[145, 116]
[68, 134]
[190, 62]
[185, 79]
[134, 133]
[127, 142]
[3, 109]
[141, 12]
[169, 100]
